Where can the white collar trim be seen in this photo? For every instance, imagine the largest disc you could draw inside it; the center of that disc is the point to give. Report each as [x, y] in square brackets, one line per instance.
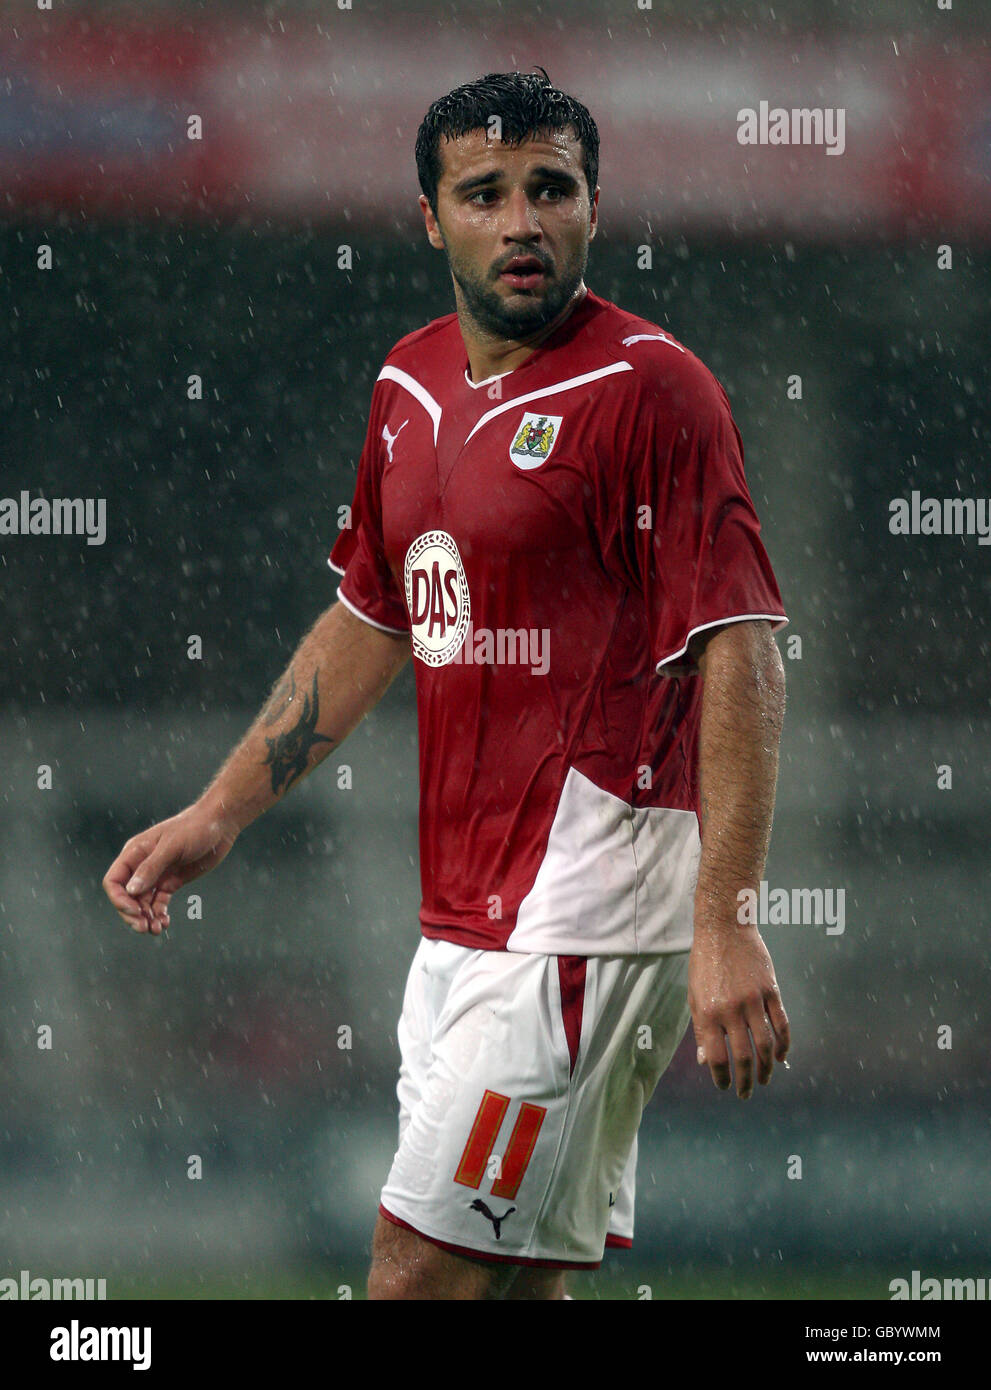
[477, 385]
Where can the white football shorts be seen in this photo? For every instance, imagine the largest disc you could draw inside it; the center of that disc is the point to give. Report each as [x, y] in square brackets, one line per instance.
[521, 1088]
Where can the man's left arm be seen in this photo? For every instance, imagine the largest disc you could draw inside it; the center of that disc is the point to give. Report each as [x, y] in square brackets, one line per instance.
[732, 990]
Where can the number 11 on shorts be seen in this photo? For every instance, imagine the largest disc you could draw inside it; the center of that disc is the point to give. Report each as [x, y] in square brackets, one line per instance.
[481, 1141]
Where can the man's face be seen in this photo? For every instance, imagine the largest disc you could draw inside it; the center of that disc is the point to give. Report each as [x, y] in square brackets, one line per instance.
[496, 205]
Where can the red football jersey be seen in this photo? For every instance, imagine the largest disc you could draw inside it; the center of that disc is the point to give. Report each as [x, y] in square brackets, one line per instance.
[551, 538]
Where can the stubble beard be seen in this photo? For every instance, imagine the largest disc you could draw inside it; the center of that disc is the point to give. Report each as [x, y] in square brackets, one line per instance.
[522, 315]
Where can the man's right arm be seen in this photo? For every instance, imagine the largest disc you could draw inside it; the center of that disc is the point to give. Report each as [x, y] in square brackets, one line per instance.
[340, 670]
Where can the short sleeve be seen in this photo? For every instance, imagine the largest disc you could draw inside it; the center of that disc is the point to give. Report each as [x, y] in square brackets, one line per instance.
[368, 586]
[688, 534]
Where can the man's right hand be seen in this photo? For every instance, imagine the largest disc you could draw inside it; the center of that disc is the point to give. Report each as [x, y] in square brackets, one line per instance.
[152, 865]
[343, 659]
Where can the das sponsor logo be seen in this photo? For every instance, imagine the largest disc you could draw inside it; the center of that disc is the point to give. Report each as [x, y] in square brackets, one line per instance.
[437, 597]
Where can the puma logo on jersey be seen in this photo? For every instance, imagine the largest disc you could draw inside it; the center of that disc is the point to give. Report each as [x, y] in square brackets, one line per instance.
[652, 337]
[390, 439]
[479, 1205]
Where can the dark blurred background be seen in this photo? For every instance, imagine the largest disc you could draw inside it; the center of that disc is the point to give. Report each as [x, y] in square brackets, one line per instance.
[221, 257]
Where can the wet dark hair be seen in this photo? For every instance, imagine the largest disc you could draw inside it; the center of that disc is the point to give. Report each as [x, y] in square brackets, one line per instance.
[528, 104]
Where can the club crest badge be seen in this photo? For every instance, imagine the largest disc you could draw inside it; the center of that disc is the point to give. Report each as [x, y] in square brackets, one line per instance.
[535, 438]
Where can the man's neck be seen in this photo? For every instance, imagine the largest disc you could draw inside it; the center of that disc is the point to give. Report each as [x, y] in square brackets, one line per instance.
[487, 358]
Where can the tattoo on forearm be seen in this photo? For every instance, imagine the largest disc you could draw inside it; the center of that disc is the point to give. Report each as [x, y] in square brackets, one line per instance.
[289, 752]
[281, 698]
